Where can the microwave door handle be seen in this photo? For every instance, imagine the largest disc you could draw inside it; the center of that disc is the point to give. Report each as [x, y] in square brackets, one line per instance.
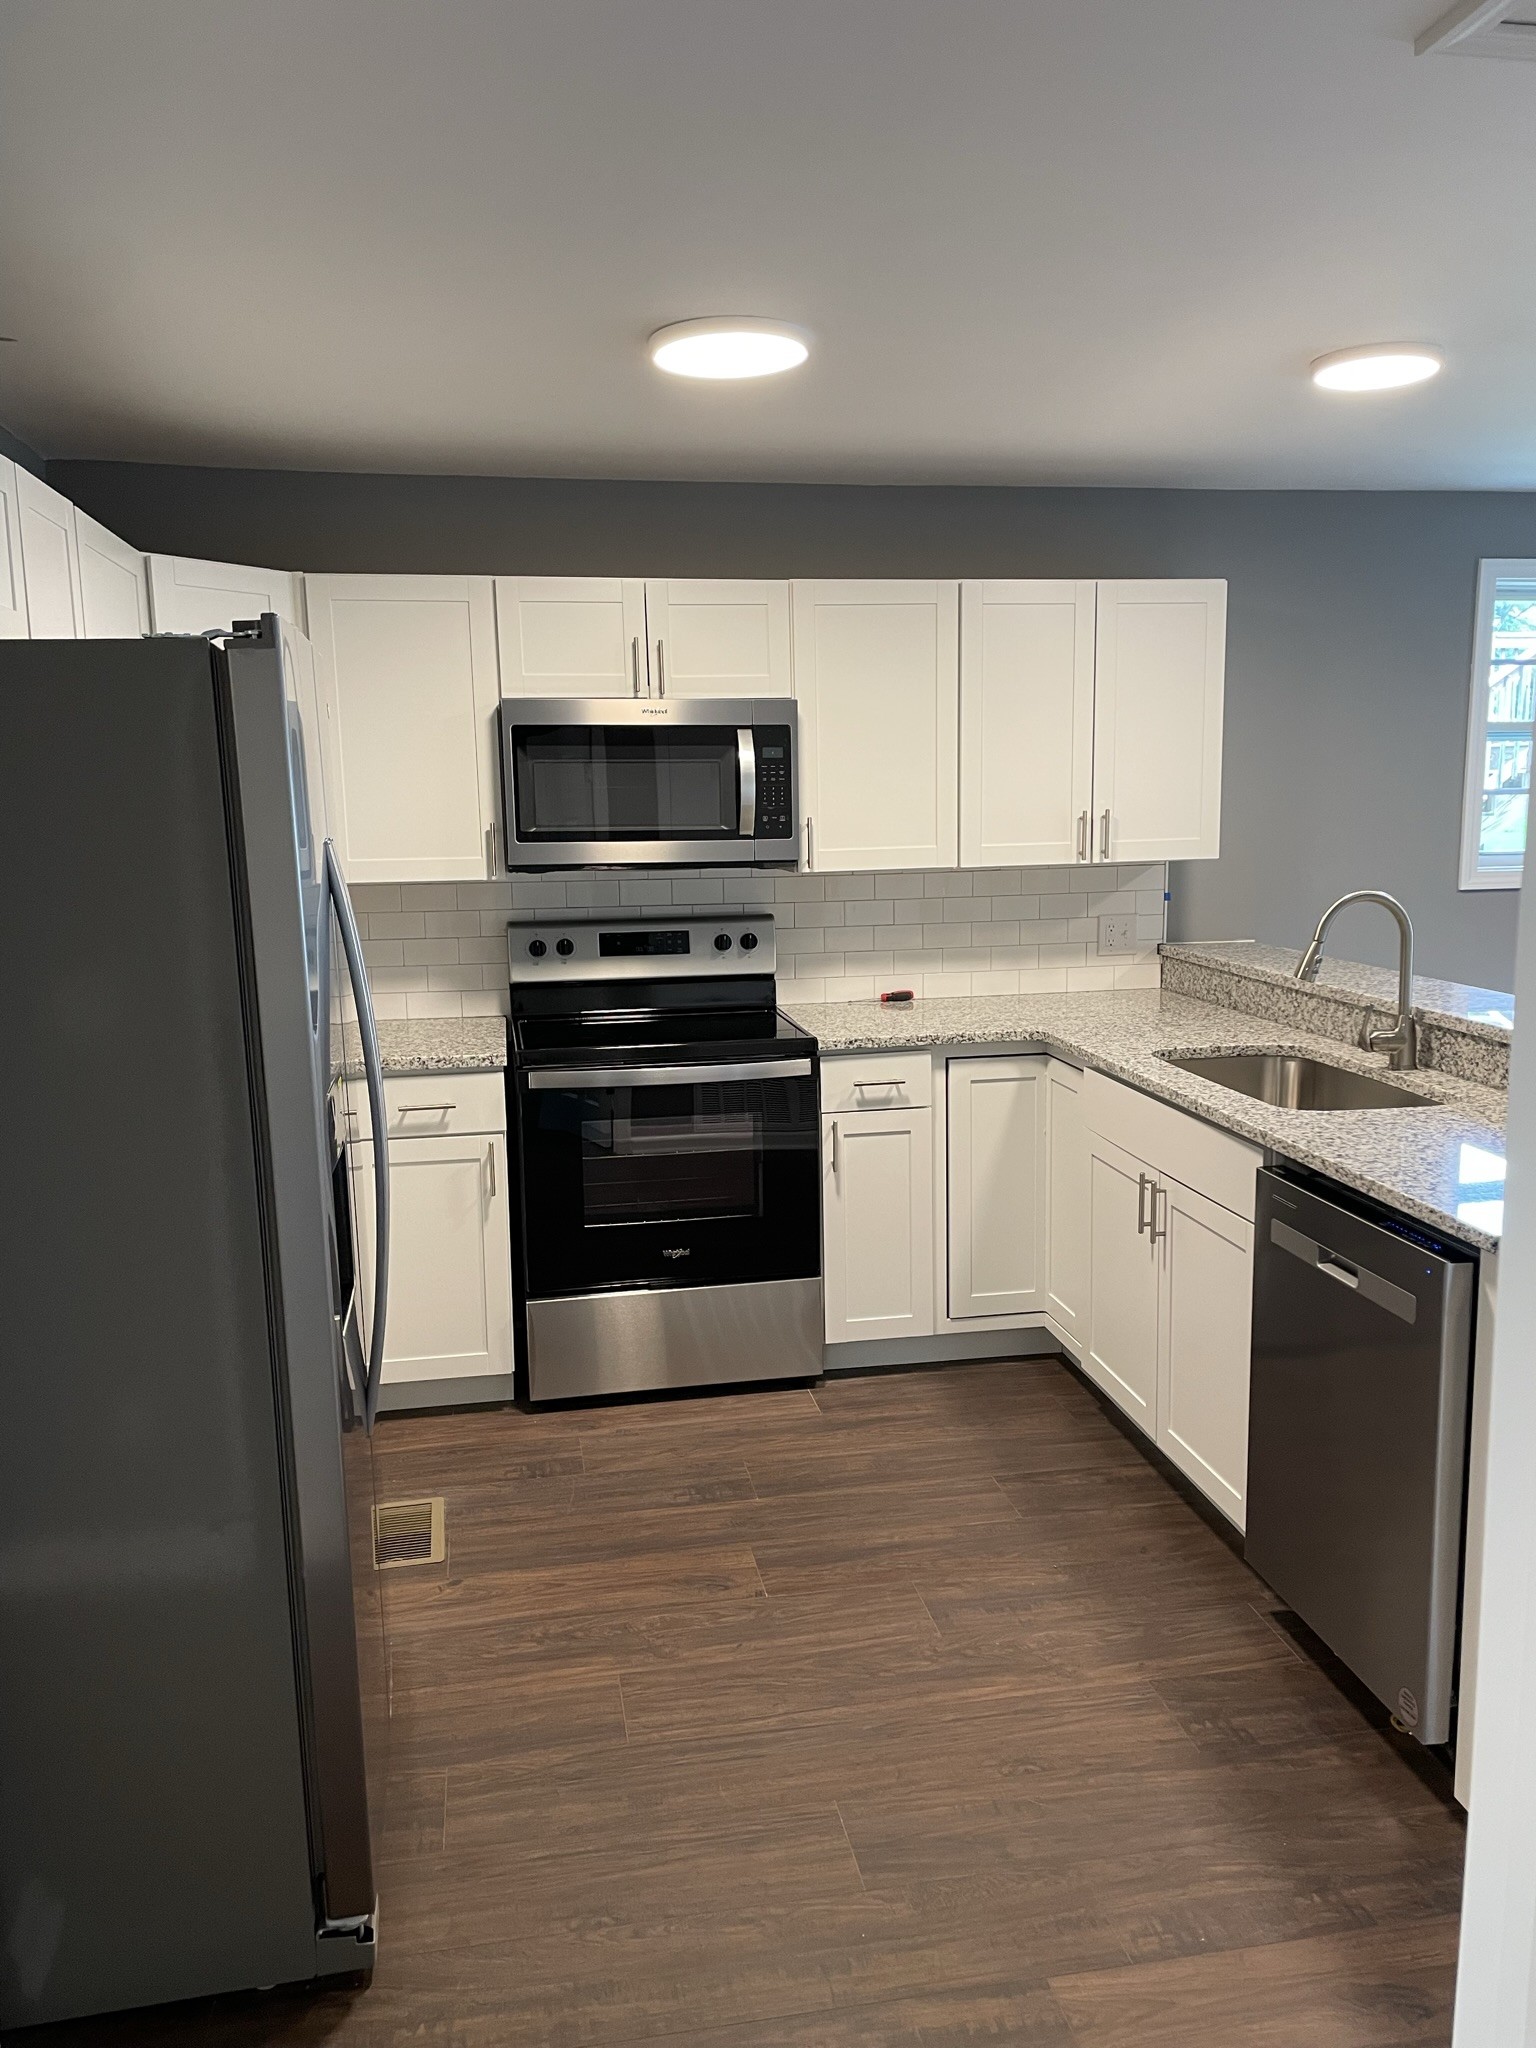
[746, 769]
[373, 1071]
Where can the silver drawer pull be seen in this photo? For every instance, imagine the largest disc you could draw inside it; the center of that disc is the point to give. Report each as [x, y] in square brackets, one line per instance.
[425, 1108]
[666, 1077]
[880, 1084]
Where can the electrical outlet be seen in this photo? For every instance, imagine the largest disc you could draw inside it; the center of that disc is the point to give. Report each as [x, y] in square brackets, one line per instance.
[1117, 934]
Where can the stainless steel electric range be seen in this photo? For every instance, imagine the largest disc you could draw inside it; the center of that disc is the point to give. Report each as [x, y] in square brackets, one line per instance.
[668, 1231]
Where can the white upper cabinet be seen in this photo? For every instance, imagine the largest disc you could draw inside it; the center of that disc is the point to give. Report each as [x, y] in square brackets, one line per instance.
[877, 678]
[114, 583]
[406, 667]
[718, 639]
[13, 586]
[571, 636]
[50, 559]
[188, 596]
[1026, 722]
[1161, 669]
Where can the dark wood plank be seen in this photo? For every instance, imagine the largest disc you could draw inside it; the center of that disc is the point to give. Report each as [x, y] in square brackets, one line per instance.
[913, 1711]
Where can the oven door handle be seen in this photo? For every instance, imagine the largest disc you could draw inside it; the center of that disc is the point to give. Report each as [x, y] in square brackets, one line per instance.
[746, 768]
[667, 1077]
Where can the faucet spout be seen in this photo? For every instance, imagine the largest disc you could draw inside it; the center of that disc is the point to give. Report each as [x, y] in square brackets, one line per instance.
[1400, 1041]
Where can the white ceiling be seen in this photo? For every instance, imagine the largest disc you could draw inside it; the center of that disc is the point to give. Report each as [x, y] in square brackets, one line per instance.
[1088, 241]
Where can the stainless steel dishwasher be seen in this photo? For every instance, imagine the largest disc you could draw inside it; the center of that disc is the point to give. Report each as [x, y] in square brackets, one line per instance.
[1357, 1438]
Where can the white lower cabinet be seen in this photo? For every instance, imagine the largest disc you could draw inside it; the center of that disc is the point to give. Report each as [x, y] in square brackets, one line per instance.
[877, 1210]
[1204, 1344]
[1067, 1268]
[1121, 1352]
[449, 1314]
[996, 1186]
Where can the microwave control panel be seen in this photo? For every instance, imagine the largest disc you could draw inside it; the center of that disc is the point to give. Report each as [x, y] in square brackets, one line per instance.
[775, 790]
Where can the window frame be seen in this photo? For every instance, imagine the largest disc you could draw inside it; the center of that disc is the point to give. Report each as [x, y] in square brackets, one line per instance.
[1490, 573]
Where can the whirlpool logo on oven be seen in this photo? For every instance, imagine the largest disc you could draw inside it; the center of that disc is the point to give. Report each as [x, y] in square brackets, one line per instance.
[677, 1251]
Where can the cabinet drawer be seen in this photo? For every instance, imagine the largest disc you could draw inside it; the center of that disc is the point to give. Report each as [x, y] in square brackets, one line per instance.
[434, 1105]
[876, 1080]
[1182, 1147]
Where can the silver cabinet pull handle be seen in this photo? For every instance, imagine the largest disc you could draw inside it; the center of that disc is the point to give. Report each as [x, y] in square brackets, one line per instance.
[491, 1162]
[810, 857]
[661, 671]
[634, 662]
[666, 1077]
[491, 850]
[1082, 835]
[1104, 837]
[880, 1084]
[1159, 1235]
[837, 1153]
[1142, 1184]
[424, 1108]
[746, 770]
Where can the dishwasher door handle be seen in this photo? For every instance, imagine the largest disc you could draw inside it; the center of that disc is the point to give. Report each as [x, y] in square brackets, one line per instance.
[1360, 1280]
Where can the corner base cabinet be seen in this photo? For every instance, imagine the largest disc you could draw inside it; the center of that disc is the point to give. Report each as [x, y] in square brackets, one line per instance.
[996, 1186]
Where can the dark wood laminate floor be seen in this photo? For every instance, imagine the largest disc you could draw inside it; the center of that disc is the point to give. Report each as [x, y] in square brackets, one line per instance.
[909, 1712]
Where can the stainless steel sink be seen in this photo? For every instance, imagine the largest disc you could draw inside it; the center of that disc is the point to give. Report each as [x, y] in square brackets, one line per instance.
[1291, 1081]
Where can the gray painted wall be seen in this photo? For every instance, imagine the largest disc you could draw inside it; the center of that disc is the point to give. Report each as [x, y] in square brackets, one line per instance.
[1350, 630]
[18, 451]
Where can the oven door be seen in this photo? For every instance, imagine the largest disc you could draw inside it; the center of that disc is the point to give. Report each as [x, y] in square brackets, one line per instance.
[604, 782]
[669, 1176]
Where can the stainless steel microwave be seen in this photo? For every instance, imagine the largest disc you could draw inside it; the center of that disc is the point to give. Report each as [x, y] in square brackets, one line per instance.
[682, 782]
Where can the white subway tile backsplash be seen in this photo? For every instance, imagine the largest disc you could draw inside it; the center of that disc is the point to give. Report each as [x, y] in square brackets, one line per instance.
[438, 950]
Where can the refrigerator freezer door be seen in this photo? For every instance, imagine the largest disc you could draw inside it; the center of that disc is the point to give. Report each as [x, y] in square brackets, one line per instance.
[335, 1585]
[154, 1838]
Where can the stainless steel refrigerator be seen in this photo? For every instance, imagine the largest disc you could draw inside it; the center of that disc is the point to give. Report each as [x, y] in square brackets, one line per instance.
[192, 1690]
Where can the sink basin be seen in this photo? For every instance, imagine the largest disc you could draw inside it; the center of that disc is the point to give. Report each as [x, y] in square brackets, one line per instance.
[1291, 1081]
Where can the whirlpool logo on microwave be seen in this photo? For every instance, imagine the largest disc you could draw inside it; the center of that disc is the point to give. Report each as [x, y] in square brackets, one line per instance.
[677, 1251]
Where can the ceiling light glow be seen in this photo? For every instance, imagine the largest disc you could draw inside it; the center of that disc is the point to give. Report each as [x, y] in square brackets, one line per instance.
[728, 348]
[1383, 366]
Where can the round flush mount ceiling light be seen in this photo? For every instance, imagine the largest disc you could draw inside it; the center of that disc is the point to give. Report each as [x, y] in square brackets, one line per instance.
[1383, 366]
[725, 348]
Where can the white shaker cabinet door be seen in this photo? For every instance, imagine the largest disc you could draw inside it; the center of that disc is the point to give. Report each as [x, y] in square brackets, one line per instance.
[877, 1220]
[449, 1313]
[191, 596]
[1160, 683]
[1068, 1264]
[13, 584]
[1026, 723]
[571, 636]
[1205, 1344]
[50, 559]
[114, 583]
[718, 639]
[996, 1185]
[1121, 1353]
[406, 667]
[878, 685]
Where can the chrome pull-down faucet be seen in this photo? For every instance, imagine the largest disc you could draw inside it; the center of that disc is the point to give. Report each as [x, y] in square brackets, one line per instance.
[1401, 1042]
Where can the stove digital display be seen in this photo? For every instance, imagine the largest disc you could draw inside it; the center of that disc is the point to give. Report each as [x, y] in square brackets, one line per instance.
[626, 945]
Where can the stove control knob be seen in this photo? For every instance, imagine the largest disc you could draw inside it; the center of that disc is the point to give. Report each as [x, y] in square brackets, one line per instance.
[537, 949]
[722, 942]
[564, 948]
[748, 941]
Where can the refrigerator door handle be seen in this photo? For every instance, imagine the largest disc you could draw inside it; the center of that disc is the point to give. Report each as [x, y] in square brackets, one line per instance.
[373, 1073]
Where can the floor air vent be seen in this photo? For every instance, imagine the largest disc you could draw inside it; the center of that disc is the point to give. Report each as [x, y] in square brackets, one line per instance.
[408, 1532]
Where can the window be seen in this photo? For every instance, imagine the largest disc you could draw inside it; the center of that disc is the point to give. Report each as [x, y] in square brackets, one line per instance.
[1497, 801]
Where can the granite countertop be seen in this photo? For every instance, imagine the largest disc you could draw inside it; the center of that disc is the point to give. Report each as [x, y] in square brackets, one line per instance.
[1478, 1012]
[433, 1045]
[1442, 1164]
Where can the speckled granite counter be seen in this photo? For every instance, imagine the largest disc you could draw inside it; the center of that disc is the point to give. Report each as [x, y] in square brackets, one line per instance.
[434, 1045]
[1443, 1163]
[1479, 1012]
